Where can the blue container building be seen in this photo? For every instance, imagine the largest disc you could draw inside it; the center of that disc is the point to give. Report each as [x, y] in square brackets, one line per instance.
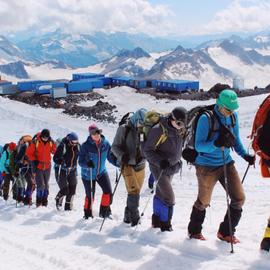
[28, 85]
[82, 86]
[84, 76]
[127, 81]
[107, 81]
[176, 85]
[5, 83]
[138, 84]
[120, 81]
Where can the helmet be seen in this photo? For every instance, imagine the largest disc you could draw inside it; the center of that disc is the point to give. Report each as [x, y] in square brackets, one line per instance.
[179, 114]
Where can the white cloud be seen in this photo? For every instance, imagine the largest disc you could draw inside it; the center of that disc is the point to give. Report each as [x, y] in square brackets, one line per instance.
[85, 16]
[240, 16]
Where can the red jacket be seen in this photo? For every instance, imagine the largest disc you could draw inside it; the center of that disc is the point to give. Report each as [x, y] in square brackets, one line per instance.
[41, 151]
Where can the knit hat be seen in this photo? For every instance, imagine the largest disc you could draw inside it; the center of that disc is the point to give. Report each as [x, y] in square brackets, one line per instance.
[93, 128]
[228, 99]
[179, 114]
[45, 133]
[12, 146]
[72, 136]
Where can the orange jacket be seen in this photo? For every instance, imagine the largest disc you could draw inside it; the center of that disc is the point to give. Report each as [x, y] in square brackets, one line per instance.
[41, 151]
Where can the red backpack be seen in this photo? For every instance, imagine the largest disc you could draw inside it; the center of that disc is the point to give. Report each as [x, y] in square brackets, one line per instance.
[260, 136]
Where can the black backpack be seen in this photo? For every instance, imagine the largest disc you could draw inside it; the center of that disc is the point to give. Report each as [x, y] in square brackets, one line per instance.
[189, 152]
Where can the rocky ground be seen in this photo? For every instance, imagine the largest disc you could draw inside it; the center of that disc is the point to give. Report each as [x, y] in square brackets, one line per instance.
[212, 93]
[102, 111]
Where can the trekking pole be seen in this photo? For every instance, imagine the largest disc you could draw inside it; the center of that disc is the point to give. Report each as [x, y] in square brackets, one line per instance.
[117, 178]
[13, 185]
[91, 192]
[227, 198]
[245, 174]
[148, 200]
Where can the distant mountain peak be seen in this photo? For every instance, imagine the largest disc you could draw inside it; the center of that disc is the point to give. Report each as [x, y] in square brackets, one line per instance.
[136, 53]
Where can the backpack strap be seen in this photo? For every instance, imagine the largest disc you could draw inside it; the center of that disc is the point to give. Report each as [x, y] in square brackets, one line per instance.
[233, 119]
[211, 117]
[163, 136]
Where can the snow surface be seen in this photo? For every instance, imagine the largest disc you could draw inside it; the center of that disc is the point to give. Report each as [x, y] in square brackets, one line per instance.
[44, 238]
[145, 62]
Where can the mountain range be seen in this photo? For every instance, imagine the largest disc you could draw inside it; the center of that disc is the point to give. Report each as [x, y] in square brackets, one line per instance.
[123, 54]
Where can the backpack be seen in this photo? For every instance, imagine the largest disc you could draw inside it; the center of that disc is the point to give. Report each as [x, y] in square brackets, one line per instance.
[260, 136]
[189, 152]
[21, 156]
[61, 141]
[124, 120]
[151, 119]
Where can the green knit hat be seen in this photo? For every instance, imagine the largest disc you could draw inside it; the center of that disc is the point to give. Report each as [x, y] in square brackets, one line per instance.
[228, 99]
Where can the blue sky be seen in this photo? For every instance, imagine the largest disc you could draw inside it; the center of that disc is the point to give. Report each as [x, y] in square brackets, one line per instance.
[173, 18]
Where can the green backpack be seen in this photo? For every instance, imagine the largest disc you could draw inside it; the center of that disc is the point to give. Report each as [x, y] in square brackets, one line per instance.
[151, 119]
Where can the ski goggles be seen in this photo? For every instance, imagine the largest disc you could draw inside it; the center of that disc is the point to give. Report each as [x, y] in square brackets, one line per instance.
[74, 142]
[179, 123]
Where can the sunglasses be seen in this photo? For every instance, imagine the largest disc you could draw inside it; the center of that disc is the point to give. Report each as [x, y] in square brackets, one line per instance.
[227, 110]
[74, 142]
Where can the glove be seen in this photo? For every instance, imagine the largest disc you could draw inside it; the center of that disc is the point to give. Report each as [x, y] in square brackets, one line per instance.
[90, 164]
[59, 161]
[35, 162]
[125, 158]
[16, 174]
[164, 164]
[3, 174]
[225, 138]
[250, 159]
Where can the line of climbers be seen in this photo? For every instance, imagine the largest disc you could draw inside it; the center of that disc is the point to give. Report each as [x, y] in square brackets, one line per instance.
[206, 135]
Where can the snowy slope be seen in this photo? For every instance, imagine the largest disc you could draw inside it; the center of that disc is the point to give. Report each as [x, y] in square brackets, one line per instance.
[250, 72]
[43, 238]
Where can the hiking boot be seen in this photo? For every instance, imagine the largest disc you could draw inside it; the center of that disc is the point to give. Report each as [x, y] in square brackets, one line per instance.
[166, 226]
[58, 202]
[197, 236]
[38, 201]
[45, 202]
[38, 204]
[135, 217]
[155, 221]
[127, 218]
[87, 214]
[228, 238]
[105, 211]
[27, 201]
[265, 244]
[68, 206]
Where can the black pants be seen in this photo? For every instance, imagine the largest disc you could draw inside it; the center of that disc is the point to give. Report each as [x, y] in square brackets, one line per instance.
[67, 183]
[90, 188]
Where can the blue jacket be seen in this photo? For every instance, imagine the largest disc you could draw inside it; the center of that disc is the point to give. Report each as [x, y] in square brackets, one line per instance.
[4, 161]
[98, 154]
[209, 154]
